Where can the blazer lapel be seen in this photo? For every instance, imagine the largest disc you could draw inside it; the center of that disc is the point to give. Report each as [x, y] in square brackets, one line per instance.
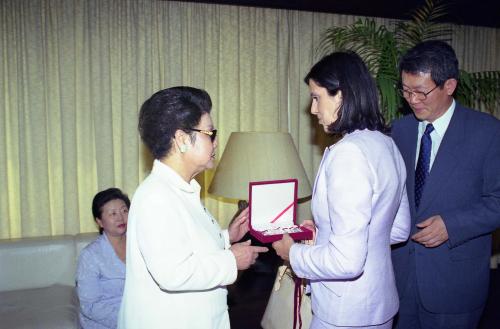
[446, 160]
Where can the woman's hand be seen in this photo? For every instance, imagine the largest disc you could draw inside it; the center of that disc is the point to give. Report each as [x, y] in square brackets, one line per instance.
[283, 246]
[239, 226]
[309, 224]
[245, 254]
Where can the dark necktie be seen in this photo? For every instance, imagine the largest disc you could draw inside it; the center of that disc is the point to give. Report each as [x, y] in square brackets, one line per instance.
[423, 164]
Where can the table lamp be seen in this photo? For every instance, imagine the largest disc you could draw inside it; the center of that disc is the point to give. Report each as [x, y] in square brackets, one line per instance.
[257, 156]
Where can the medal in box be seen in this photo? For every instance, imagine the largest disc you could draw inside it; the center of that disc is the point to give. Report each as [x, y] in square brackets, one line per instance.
[273, 211]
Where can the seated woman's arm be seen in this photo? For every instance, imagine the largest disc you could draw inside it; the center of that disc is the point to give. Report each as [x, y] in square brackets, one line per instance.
[96, 303]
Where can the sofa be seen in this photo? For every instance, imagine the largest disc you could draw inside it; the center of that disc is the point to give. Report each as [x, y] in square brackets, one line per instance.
[37, 281]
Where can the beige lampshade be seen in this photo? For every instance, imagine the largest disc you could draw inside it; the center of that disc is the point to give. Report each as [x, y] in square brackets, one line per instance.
[257, 156]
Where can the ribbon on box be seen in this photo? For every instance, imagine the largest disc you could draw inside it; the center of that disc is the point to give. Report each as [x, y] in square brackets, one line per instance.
[297, 302]
[288, 306]
[299, 291]
[282, 212]
[285, 273]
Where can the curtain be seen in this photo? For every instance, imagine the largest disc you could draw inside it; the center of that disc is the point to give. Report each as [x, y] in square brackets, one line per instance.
[73, 74]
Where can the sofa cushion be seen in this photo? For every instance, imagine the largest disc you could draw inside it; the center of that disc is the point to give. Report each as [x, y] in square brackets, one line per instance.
[50, 307]
[37, 262]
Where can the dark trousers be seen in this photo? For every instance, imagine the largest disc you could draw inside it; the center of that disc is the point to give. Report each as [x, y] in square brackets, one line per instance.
[412, 314]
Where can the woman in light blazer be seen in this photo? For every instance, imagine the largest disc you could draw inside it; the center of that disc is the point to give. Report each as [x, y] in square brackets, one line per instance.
[359, 203]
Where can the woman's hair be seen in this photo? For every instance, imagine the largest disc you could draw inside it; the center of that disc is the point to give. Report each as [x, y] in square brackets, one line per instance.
[103, 197]
[345, 71]
[168, 110]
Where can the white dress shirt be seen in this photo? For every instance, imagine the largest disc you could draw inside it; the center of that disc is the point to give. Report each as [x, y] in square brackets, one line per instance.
[178, 261]
[440, 126]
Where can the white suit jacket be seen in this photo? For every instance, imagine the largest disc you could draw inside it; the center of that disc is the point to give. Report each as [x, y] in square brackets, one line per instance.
[177, 258]
[360, 208]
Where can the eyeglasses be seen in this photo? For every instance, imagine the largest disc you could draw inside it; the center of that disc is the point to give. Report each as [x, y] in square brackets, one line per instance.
[211, 133]
[419, 95]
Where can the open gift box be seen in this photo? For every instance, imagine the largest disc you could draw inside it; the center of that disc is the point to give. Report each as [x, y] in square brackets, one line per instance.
[272, 211]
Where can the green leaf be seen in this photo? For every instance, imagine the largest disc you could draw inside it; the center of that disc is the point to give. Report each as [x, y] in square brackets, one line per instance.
[381, 46]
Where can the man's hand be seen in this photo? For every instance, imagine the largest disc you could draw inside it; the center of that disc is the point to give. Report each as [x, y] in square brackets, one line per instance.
[433, 232]
[239, 226]
[246, 254]
[283, 246]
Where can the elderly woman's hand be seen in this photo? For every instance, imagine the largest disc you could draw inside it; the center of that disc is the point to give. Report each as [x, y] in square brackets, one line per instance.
[246, 254]
[283, 246]
[239, 226]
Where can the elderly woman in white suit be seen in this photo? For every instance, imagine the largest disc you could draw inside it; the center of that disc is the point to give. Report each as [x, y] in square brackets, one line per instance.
[359, 203]
[179, 261]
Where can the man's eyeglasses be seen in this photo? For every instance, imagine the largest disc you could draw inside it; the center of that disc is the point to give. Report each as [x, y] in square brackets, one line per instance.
[211, 133]
[419, 95]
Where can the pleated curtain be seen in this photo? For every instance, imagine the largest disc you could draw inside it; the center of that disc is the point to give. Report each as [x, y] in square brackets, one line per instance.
[74, 73]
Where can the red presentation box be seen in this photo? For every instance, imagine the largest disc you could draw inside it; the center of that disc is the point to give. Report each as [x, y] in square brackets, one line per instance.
[273, 211]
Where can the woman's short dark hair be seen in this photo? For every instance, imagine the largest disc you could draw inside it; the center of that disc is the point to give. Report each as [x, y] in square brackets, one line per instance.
[103, 197]
[346, 72]
[168, 110]
[435, 57]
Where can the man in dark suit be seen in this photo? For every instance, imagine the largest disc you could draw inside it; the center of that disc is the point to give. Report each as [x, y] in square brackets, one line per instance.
[452, 157]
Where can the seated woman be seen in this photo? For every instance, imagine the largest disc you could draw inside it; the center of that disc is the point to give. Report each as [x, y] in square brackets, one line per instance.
[100, 276]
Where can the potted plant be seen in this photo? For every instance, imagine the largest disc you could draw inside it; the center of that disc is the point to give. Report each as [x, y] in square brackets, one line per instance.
[381, 46]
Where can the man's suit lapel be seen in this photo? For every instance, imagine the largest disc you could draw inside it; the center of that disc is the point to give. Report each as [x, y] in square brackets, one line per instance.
[446, 160]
